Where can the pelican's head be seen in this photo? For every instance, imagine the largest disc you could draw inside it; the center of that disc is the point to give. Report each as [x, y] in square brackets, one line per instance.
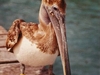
[52, 7]
[59, 5]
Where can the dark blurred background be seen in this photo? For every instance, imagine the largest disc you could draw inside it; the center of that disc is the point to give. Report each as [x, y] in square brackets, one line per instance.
[83, 30]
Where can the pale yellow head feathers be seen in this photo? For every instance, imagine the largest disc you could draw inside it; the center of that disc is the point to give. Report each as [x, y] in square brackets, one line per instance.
[58, 4]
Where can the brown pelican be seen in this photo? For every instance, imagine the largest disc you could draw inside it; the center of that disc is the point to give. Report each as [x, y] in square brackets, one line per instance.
[39, 44]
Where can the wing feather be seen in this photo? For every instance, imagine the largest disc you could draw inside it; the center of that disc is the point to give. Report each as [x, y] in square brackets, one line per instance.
[13, 34]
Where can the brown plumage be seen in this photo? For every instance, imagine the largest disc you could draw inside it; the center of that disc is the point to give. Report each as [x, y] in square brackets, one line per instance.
[13, 35]
[45, 39]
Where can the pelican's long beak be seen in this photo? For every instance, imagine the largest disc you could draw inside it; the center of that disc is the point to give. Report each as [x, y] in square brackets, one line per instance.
[58, 22]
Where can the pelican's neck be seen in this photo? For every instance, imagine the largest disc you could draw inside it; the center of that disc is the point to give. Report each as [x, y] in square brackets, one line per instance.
[43, 16]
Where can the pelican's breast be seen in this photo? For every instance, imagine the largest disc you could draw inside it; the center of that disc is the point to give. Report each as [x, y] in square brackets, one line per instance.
[28, 53]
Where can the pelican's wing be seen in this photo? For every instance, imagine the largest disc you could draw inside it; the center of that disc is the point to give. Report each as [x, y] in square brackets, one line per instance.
[13, 34]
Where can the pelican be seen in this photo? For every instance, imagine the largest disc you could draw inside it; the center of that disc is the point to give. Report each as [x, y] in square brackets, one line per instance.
[40, 44]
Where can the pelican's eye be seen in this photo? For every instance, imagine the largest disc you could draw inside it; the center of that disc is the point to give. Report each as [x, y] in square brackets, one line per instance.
[55, 8]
